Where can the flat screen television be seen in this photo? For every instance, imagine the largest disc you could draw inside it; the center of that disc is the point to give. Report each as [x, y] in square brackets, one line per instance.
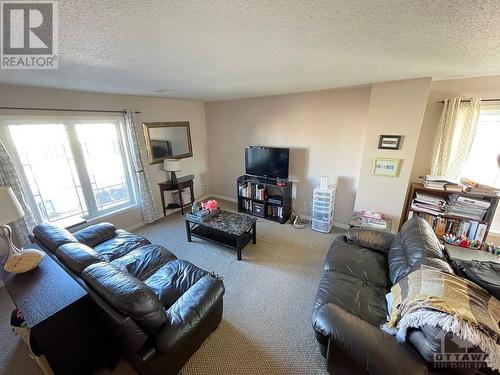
[269, 162]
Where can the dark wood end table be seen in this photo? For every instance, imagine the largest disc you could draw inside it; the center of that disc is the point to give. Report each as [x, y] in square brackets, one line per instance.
[225, 228]
[183, 182]
[61, 316]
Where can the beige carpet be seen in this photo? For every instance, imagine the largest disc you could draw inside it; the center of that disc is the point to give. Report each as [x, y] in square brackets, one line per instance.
[266, 325]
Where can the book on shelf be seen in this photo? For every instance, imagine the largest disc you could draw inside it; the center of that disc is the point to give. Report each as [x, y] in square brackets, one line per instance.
[434, 200]
[481, 231]
[260, 192]
[458, 227]
[438, 182]
[474, 187]
[470, 202]
[464, 206]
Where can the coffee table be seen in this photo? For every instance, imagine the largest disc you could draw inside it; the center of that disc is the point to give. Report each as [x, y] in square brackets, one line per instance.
[225, 228]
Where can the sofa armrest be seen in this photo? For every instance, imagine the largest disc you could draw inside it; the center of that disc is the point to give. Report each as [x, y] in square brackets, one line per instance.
[371, 348]
[189, 311]
[371, 239]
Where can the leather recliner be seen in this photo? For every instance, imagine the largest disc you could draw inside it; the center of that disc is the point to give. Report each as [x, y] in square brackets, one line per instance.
[350, 303]
[157, 308]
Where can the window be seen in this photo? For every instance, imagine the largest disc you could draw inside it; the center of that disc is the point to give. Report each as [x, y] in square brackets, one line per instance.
[74, 168]
[481, 164]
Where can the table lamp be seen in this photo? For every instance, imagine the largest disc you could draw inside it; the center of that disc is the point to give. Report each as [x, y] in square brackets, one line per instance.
[172, 166]
[18, 260]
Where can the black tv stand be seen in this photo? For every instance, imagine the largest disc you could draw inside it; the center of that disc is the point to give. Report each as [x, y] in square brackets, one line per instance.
[266, 198]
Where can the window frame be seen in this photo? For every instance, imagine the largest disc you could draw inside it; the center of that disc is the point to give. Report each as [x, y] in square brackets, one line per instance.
[70, 123]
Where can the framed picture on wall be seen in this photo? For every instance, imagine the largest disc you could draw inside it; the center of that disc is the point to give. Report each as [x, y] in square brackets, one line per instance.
[386, 167]
[389, 142]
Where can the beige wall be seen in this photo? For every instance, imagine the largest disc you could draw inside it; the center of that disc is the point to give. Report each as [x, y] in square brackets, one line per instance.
[395, 108]
[324, 130]
[153, 109]
[484, 87]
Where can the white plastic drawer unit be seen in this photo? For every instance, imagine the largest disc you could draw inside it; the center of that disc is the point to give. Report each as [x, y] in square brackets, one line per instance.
[323, 200]
[322, 205]
[319, 208]
[323, 208]
[322, 216]
[321, 226]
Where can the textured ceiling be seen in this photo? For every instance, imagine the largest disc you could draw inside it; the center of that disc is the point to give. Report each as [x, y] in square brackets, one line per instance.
[222, 49]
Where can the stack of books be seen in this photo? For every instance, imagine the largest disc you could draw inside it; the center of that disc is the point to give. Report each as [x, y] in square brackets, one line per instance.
[467, 207]
[372, 220]
[427, 203]
[441, 183]
[474, 187]
[260, 192]
[245, 190]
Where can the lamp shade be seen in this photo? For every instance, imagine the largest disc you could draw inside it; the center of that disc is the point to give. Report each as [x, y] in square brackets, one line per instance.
[172, 165]
[10, 209]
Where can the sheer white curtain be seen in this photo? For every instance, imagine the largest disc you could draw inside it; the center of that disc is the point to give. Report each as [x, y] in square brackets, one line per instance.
[21, 228]
[146, 195]
[455, 135]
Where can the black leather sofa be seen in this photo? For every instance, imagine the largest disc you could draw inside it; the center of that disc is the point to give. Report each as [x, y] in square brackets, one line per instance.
[156, 308]
[350, 304]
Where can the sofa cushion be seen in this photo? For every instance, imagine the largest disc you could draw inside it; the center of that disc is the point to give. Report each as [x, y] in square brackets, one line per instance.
[371, 239]
[364, 264]
[484, 274]
[144, 261]
[173, 279]
[77, 256]
[95, 234]
[415, 241]
[52, 236]
[360, 298]
[129, 295]
[121, 244]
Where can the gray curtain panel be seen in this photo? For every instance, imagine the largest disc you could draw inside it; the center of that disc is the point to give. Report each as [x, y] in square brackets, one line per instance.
[9, 177]
[146, 195]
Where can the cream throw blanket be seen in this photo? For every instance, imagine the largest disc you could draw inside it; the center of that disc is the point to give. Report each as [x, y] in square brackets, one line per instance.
[456, 305]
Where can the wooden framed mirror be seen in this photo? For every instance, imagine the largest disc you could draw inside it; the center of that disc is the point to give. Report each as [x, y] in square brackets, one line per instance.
[167, 140]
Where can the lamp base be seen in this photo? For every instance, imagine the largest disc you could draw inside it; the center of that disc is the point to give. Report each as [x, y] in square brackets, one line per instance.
[19, 260]
[173, 177]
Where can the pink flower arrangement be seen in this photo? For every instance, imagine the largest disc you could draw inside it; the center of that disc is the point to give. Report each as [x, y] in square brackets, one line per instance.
[210, 205]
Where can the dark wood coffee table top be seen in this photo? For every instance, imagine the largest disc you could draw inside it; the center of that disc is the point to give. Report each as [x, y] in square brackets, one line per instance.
[228, 222]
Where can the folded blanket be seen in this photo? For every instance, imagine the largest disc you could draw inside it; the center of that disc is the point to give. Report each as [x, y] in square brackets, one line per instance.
[456, 305]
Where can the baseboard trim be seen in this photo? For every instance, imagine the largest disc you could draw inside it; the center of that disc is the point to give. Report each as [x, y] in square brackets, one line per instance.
[340, 225]
[234, 200]
[135, 226]
[169, 212]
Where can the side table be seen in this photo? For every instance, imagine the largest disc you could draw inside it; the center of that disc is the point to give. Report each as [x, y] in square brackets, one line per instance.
[61, 317]
[182, 183]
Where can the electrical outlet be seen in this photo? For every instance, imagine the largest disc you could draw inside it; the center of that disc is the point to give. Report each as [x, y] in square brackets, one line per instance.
[205, 188]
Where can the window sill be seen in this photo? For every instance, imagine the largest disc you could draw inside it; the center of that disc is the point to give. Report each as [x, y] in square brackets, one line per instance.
[117, 211]
[80, 222]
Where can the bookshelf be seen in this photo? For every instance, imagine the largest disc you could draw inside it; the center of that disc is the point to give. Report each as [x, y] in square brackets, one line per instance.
[420, 188]
[264, 198]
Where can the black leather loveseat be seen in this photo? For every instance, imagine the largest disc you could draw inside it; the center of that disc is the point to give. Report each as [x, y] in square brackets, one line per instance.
[350, 304]
[158, 309]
